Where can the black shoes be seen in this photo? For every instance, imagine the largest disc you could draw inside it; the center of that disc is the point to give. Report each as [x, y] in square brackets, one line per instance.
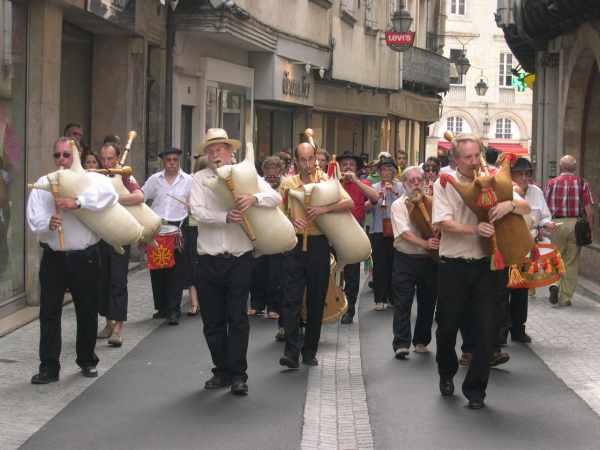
[173, 319]
[476, 403]
[218, 382]
[347, 318]
[554, 295]
[310, 361]
[499, 358]
[446, 387]
[289, 362]
[239, 387]
[44, 378]
[89, 372]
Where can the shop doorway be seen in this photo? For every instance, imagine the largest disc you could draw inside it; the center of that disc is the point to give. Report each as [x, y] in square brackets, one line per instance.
[76, 79]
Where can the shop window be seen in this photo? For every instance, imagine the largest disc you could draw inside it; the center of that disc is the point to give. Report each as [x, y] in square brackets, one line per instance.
[505, 70]
[504, 129]
[13, 76]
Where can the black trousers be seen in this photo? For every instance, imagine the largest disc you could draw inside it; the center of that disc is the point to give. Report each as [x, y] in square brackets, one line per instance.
[410, 274]
[225, 284]
[267, 283]
[383, 258]
[519, 300]
[352, 285]
[468, 286]
[305, 271]
[168, 285]
[78, 272]
[113, 283]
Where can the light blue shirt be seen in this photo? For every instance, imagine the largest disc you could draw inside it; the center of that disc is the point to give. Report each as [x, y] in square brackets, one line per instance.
[378, 211]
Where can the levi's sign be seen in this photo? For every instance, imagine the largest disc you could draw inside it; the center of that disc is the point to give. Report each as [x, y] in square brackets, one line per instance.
[400, 41]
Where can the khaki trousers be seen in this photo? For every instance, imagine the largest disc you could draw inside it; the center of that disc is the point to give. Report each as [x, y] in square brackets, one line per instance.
[564, 239]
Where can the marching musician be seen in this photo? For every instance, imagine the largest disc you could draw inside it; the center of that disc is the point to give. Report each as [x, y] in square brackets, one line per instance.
[113, 285]
[225, 265]
[381, 232]
[169, 191]
[414, 269]
[306, 270]
[466, 280]
[361, 192]
[74, 266]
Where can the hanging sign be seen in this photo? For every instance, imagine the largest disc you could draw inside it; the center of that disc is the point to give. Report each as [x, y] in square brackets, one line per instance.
[400, 41]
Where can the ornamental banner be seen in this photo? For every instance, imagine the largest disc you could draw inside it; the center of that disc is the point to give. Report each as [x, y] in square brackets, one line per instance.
[161, 255]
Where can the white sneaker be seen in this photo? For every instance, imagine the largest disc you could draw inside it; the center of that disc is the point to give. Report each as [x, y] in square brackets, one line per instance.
[420, 348]
[402, 353]
[379, 306]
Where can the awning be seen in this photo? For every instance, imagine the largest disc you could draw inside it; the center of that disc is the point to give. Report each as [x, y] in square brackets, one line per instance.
[445, 145]
[516, 149]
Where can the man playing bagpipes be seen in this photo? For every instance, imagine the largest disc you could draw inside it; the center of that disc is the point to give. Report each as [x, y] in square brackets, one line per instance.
[415, 266]
[466, 281]
[306, 267]
[361, 191]
[70, 260]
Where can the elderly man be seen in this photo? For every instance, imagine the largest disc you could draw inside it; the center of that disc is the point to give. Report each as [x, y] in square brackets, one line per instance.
[169, 191]
[225, 265]
[306, 271]
[414, 270]
[361, 192]
[569, 197]
[466, 281]
[73, 266]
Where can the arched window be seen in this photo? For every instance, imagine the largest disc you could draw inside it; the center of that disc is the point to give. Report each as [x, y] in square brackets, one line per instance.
[457, 125]
[504, 128]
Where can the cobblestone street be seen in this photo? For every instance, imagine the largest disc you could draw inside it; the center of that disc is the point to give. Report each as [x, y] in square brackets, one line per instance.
[152, 387]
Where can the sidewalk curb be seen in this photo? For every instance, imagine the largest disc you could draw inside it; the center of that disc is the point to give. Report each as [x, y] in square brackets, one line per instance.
[28, 314]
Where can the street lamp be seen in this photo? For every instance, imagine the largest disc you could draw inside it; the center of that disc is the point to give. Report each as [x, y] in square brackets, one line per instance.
[402, 20]
[462, 64]
[481, 88]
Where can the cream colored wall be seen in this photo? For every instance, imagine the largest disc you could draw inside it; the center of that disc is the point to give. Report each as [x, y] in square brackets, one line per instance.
[286, 14]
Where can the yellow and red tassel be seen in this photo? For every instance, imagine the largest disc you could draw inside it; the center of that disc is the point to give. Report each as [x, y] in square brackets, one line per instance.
[487, 198]
[515, 278]
[498, 260]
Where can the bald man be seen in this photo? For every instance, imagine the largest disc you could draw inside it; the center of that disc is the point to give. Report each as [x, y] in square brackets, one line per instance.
[569, 197]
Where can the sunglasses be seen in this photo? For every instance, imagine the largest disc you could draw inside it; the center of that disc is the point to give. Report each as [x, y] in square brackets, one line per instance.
[63, 154]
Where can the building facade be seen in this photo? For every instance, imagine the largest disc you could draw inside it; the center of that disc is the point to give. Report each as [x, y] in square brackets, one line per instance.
[255, 69]
[97, 63]
[503, 116]
[560, 43]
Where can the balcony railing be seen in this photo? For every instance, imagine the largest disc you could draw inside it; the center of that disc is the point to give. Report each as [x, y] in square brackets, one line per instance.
[426, 68]
[457, 93]
[506, 96]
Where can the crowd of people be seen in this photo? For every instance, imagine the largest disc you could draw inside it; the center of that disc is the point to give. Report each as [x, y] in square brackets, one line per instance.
[448, 272]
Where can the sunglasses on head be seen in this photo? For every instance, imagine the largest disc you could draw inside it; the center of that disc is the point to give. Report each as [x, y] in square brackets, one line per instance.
[63, 154]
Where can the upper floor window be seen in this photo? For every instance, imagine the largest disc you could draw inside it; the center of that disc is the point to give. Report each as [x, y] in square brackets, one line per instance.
[455, 124]
[504, 129]
[458, 7]
[505, 70]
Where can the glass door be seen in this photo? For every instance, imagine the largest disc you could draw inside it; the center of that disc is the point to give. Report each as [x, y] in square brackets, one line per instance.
[225, 109]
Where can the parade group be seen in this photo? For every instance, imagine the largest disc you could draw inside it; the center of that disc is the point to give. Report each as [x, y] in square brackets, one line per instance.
[286, 239]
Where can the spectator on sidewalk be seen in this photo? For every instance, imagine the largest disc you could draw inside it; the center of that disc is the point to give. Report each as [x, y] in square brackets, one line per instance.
[569, 197]
[74, 267]
[323, 158]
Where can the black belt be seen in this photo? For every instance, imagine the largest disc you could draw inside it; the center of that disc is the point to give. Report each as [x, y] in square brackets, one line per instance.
[228, 255]
[177, 223]
[465, 260]
[566, 217]
[70, 252]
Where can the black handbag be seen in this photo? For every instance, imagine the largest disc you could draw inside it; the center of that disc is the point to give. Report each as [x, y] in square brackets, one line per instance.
[583, 231]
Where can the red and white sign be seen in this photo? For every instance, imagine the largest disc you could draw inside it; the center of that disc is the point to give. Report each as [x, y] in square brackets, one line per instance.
[400, 41]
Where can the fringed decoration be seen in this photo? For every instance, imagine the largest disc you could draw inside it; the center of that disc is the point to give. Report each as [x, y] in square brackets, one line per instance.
[286, 202]
[532, 268]
[498, 261]
[487, 198]
[332, 168]
[549, 268]
[515, 278]
[535, 253]
[560, 264]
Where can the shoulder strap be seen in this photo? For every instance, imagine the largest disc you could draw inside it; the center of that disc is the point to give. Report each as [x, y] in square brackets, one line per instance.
[581, 204]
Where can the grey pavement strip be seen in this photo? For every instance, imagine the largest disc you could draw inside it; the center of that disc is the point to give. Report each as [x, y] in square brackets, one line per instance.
[566, 339]
[26, 408]
[336, 415]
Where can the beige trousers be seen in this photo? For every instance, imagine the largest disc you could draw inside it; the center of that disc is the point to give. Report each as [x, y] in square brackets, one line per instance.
[564, 239]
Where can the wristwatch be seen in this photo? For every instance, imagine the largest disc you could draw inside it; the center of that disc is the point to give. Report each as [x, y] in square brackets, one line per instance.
[514, 205]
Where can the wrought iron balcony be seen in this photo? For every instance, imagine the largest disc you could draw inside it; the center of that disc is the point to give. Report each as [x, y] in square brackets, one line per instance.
[425, 71]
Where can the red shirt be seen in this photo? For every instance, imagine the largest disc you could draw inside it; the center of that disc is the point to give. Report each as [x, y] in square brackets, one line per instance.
[359, 198]
[563, 195]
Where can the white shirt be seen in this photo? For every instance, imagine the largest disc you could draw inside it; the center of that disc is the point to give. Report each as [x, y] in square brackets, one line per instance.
[215, 235]
[540, 213]
[41, 207]
[161, 193]
[401, 223]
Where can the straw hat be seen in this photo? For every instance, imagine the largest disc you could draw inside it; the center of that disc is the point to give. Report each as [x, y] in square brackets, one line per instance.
[218, 136]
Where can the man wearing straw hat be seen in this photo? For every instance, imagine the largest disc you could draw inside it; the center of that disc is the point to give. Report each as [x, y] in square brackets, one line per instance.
[225, 264]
